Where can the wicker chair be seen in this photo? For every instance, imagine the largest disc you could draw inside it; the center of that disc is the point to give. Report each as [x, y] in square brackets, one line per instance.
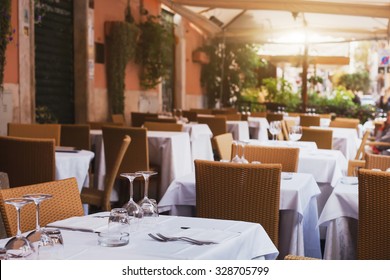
[259, 114]
[101, 198]
[344, 124]
[138, 118]
[27, 161]
[371, 161]
[322, 137]
[230, 117]
[306, 120]
[274, 117]
[76, 135]
[157, 126]
[299, 258]
[135, 159]
[64, 204]
[99, 125]
[243, 192]
[202, 111]
[160, 120]
[287, 157]
[42, 131]
[217, 125]
[118, 118]
[374, 215]
[223, 143]
[190, 115]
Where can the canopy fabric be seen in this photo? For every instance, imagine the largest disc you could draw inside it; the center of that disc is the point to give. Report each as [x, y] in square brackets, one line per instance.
[274, 21]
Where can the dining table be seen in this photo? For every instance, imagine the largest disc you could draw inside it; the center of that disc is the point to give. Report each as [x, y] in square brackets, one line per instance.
[345, 140]
[74, 163]
[258, 128]
[235, 240]
[239, 130]
[340, 217]
[200, 140]
[299, 233]
[171, 151]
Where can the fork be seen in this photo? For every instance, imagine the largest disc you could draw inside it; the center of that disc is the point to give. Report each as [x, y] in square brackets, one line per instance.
[185, 238]
[164, 239]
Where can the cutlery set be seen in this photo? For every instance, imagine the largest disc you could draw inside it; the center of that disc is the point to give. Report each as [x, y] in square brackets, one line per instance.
[162, 238]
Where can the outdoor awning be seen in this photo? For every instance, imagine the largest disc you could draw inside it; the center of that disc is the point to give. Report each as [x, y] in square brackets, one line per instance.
[288, 21]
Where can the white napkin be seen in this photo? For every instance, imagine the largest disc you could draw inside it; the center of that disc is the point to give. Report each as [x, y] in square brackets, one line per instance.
[83, 223]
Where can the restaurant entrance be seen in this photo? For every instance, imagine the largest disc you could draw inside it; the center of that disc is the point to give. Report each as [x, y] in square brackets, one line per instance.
[54, 61]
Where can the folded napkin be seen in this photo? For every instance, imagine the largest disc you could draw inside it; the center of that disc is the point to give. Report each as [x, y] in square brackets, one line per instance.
[349, 180]
[83, 223]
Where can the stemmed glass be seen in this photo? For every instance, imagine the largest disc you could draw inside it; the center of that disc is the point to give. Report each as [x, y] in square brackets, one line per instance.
[236, 158]
[295, 132]
[148, 206]
[38, 237]
[19, 246]
[133, 209]
[275, 128]
[243, 145]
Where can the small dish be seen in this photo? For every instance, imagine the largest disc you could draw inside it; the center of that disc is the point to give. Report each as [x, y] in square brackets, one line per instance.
[349, 180]
[113, 239]
[287, 176]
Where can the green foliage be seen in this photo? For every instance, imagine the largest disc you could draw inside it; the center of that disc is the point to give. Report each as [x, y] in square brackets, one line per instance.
[281, 91]
[121, 49]
[44, 115]
[232, 66]
[355, 82]
[154, 51]
[5, 35]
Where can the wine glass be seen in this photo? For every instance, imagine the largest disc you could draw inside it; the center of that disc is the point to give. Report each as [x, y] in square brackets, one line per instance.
[295, 132]
[275, 127]
[243, 145]
[236, 158]
[148, 206]
[134, 211]
[19, 246]
[38, 237]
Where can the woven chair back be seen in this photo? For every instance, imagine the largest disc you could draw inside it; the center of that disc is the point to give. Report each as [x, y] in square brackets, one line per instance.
[242, 192]
[322, 137]
[306, 120]
[343, 124]
[223, 143]
[27, 160]
[45, 131]
[118, 118]
[156, 126]
[374, 215]
[286, 156]
[65, 203]
[373, 161]
[217, 125]
[138, 118]
[76, 135]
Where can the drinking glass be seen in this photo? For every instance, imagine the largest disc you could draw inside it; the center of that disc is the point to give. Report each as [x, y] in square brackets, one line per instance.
[38, 237]
[236, 158]
[58, 242]
[19, 246]
[295, 132]
[134, 211]
[148, 206]
[275, 128]
[118, 221]
[243, 145]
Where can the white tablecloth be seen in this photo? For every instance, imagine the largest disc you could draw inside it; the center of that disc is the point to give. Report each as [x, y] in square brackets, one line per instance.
[258, 128]
[340, 215]
[238, 240]
[239, 129]
[345, 140]
[302, 145]
[298, 233]
[172, 152]
[74, 165]
[200, 135]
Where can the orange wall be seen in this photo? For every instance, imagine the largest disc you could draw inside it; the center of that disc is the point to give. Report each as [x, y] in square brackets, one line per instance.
[194, 40]
[114, 10]
[11, 71]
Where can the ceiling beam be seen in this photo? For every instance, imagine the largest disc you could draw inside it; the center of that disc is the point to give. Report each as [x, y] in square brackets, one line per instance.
[366, 9]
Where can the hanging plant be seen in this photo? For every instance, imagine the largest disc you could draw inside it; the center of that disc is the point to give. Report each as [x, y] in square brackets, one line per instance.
[40, 10]
[6, 35]
[121, 44]
[154, 51]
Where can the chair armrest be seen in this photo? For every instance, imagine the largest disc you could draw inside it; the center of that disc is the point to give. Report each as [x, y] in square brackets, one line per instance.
[354, 165]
